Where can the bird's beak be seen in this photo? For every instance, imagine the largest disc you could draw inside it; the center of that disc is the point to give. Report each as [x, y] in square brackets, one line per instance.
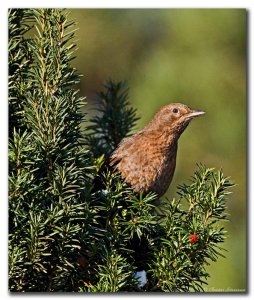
[195, 113]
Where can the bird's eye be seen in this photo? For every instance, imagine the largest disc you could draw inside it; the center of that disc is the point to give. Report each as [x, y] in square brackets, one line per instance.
[175, 110]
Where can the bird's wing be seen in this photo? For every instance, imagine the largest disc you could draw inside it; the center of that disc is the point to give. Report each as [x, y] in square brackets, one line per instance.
[125, 148]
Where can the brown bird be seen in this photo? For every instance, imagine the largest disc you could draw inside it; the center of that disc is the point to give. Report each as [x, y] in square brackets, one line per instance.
[147, 160]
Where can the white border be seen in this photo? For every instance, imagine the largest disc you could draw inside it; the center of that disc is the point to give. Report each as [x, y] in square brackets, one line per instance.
[4, 119]
[130, 3]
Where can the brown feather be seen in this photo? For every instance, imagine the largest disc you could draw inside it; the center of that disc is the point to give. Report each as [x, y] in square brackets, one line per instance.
[147, 160]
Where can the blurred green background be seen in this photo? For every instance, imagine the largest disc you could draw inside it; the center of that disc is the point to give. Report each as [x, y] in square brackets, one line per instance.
[193, 56]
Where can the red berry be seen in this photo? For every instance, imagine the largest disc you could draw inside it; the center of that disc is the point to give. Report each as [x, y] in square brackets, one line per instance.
[193, 238]
[81, 261]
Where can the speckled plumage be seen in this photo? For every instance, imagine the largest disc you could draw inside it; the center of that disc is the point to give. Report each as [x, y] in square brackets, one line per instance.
[147, 160]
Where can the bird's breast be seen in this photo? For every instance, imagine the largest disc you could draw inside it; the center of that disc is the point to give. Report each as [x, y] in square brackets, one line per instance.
[149, 168]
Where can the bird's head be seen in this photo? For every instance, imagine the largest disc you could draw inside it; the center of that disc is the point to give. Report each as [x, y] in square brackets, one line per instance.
[175, 117]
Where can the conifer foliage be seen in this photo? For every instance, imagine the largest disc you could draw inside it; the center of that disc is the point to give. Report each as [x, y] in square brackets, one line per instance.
[65, 232]
[48, 209]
